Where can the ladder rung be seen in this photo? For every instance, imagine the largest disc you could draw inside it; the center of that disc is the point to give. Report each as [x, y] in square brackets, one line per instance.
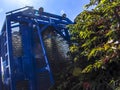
[8, 78]
[6, 54]
[7, 66]
[42, 69]
[5, 43]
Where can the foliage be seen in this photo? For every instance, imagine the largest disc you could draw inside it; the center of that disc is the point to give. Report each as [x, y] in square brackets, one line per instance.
[95, 46]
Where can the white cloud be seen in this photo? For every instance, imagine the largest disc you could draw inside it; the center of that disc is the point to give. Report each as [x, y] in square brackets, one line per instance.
[21, 3]
[1, 10]
[18, 2]
[25, 2]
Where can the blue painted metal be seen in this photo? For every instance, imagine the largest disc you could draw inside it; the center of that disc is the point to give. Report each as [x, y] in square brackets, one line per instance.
[28, 64]
[17, 69]
[0, 68]
[44, 53]
[9, 53]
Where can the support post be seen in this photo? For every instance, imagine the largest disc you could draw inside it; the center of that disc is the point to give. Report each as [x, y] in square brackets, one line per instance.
[10, 55]
[45, 55]
[27, 60]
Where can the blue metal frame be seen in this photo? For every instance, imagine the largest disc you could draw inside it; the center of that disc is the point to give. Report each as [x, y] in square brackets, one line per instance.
[45, 55]
[26, 18]
[0, 68]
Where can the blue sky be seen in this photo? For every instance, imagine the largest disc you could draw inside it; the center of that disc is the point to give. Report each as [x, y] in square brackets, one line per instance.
[71, 7]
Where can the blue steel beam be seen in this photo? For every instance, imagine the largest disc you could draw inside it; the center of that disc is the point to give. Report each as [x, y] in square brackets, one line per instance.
[65, 36]
[10, 54]
[43, 19]
[3, 27]
[28, 20]
[28, 64]
[45, 14]
[54, 16]
[0, 67]
[44, 27]
[44, 53]
[58, 29]
[45, 23]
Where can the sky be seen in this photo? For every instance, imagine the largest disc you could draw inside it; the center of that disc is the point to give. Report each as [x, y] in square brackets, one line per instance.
[71, 7]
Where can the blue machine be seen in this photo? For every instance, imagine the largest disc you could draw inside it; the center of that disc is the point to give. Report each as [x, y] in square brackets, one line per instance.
[21, 41]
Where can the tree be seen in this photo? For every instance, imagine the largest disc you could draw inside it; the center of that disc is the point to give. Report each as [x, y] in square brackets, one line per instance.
[95, 47]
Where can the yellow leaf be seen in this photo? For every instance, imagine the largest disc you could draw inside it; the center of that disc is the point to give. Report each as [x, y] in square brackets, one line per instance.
[87, 69]
[92, 53]
[73, 48]
[102, 1]
[98, 64]
[76, 71]
[106, 46]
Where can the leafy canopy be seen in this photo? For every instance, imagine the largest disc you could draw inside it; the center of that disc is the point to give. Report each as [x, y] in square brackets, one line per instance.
[95, 47]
